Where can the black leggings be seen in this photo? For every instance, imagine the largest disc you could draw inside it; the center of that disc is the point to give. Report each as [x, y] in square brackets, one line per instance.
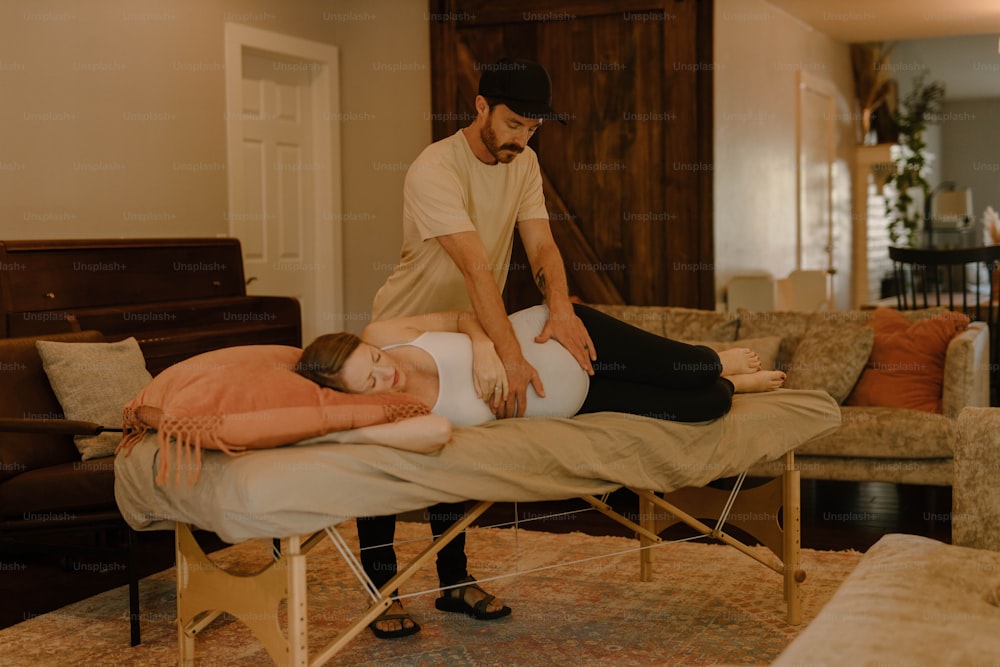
[636, 372]
[640, 373]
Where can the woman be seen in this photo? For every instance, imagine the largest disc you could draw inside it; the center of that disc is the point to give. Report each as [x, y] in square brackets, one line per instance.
[446, 360]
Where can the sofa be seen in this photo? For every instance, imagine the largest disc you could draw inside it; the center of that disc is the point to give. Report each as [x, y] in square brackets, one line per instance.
[44, 482]
[910, 601]
[833, 351]
[49, 484]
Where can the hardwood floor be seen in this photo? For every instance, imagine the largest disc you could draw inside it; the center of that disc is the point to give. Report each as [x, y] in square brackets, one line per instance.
[835, 516]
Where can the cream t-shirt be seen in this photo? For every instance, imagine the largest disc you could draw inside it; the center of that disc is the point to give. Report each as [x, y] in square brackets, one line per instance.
[449, 190]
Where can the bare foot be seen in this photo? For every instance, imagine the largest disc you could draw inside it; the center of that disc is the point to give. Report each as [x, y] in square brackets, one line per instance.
[738, 360]
[747, 383]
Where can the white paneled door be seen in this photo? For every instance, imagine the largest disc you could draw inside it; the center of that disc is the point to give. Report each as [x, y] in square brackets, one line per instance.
[274, 222]
[284, 170]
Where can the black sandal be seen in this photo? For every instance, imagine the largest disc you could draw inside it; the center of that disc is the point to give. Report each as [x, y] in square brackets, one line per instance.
[453, 600]
[403, 631]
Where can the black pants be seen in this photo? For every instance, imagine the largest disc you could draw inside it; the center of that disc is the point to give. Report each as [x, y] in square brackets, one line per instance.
[636, 372]
[376, 534]
[640, 373]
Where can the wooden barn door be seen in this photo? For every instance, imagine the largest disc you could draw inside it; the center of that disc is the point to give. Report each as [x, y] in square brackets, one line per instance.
[628, 181]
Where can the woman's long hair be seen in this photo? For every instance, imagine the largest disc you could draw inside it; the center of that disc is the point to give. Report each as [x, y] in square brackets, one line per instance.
[323, 358]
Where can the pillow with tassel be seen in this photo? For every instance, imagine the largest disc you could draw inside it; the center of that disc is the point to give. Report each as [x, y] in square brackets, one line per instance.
[242, 398]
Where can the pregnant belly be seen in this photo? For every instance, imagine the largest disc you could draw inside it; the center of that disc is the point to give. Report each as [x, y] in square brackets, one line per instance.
[564, 382]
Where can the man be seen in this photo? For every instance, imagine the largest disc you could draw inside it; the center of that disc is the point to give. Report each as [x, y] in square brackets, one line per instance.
[462, 199]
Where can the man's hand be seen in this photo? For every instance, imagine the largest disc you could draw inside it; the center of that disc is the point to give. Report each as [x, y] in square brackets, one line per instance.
[568, 329]
[519, 375]
[550, 276]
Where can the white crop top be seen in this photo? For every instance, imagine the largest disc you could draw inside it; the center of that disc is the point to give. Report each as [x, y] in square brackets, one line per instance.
[565, 383]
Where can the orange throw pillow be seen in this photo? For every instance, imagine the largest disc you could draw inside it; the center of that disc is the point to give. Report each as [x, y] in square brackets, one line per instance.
[246, 397]
[906, 367]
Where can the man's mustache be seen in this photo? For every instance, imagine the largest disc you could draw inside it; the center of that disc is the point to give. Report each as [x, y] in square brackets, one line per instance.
[511, 147]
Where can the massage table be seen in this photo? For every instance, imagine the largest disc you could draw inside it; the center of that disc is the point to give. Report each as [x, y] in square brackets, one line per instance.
[299, 493]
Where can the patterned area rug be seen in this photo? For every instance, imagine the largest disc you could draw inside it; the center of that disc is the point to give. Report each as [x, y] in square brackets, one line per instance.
[707, 604]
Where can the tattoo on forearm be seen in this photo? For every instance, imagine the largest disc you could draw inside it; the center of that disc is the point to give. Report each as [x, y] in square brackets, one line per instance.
[540, 279]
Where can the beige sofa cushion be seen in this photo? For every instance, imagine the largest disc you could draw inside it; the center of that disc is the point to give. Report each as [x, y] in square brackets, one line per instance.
[681, 323]
[677, 323]
[887, 433]
[646, 318]
[831, 356]
[790, 325]
[910, 601]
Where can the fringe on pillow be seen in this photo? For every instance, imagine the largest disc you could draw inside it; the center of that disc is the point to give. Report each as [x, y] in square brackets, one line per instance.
[395, 412]
[180, 441]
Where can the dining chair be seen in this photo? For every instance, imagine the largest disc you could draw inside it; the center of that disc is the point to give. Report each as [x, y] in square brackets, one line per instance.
[754, 292]
[960, 279]
[804, 290]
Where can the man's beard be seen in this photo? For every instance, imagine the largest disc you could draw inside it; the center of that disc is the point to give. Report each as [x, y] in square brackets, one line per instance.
[489, 138]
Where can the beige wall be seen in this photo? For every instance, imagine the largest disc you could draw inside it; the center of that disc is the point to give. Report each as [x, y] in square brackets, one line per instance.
[112, 121]
[970, 153]
[965, 142]
[386, 106]
[72, 165]
[759, 51]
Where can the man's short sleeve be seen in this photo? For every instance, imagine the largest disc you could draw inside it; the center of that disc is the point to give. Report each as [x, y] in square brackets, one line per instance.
[532, 205]
[433, 200]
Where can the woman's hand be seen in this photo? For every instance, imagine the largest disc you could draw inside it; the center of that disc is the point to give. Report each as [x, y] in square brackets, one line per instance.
[488, 373]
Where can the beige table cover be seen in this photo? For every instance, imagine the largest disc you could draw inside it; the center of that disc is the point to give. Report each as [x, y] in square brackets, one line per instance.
[305, 487]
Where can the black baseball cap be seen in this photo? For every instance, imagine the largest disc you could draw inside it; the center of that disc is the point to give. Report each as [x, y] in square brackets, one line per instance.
[522, 85]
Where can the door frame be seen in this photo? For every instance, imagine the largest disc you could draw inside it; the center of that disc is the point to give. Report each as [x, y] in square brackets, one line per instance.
[327, 202]
[813, 84]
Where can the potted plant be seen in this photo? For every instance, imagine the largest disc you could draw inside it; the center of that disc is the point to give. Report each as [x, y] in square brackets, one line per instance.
[875, 90]
[911, 160]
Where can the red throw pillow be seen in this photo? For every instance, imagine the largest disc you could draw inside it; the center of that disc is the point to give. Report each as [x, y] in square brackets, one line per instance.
[246, 397]
[906, 366]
